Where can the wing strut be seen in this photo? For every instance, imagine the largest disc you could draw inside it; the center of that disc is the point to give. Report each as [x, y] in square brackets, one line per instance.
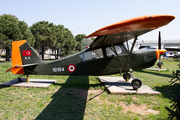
[117, 54]
[131, 50]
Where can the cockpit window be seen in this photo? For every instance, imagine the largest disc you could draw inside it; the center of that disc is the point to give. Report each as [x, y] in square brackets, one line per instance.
[91, 55]
[128, 46]
[119, 49]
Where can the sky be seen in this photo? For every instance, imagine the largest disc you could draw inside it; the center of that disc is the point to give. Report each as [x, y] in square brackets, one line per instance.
[87, 16]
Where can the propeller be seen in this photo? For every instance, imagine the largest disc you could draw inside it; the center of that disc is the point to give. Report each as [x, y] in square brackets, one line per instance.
[159, 41]
[159, 52]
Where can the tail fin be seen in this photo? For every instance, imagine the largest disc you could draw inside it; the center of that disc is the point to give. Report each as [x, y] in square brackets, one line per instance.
[22, 56]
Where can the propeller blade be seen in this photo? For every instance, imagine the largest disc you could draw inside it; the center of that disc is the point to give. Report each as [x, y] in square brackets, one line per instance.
[159, 51]
[159, 41]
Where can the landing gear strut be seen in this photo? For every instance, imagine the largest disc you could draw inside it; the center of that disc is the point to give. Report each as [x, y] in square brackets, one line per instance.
[20, 80]
[136, 83]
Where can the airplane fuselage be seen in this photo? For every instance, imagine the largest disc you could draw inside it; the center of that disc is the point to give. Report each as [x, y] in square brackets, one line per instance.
[96, 62]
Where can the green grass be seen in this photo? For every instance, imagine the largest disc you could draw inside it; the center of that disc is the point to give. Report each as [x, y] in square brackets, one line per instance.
[68, 98]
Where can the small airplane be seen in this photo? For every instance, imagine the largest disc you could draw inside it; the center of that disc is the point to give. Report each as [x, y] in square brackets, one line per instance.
[110, 53]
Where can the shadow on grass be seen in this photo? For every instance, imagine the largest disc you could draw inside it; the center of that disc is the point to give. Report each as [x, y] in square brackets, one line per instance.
[165, 90]
[69, 101]
[155, 73]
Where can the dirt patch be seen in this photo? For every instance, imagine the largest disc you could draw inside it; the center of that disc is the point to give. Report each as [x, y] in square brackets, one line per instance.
[95, 94]
[142, 109]
[95, 91]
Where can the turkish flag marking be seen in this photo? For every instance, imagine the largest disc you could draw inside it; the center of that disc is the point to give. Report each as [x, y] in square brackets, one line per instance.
[26, 52]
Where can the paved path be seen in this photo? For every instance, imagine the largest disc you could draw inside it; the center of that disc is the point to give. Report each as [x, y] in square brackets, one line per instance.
[117, 85]
[32, 83]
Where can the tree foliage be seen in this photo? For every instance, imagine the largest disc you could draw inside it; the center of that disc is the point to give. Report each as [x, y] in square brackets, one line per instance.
[175, 107]
[78, 38]
[70, 42]
[53, 36]
[11, 29]
[26, 33]
[40, 35]
[58, 37]
[59, 40]
[42, 32]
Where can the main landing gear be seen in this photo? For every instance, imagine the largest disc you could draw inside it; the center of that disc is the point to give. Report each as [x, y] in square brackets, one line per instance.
[136, 83]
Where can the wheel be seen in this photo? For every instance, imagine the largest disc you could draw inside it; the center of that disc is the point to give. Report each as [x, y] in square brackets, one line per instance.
[159, 64]
[136, 83]
[126, 76]
[19, 79]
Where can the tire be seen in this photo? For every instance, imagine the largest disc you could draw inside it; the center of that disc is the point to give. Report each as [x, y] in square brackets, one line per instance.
[126, 76]
[136, 83]
[19, 80]
[159, 64]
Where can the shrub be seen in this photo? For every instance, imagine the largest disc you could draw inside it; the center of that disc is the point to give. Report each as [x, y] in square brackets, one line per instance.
[175, 107]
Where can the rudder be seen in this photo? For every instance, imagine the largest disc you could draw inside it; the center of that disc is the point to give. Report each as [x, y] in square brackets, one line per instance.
[16, 57]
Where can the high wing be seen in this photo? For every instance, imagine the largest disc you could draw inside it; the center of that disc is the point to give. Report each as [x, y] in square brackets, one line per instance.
[122, 31]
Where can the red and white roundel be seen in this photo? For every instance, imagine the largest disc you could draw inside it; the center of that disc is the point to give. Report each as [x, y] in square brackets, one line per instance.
[71, 68]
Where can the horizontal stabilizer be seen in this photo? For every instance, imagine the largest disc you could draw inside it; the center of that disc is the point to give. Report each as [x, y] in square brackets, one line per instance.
[12, 68]
[27, 65]
[20, 67]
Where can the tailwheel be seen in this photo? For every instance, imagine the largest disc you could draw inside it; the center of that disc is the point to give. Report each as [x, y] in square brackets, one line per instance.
[126, 76]
[136, 83]
[19, 79]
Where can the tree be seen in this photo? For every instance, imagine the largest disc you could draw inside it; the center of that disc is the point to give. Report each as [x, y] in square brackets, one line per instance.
[43, 33]
[59, 39]
[26, 33]
[70, 43]
[78, 38]
[175, 107]
[10, 31]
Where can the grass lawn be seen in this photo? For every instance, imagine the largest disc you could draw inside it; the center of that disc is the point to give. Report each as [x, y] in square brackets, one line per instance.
[84, 97]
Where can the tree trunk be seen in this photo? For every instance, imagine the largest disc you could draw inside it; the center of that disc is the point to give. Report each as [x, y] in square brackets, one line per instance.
[7, 54]
[42, 52]
[56, 54]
